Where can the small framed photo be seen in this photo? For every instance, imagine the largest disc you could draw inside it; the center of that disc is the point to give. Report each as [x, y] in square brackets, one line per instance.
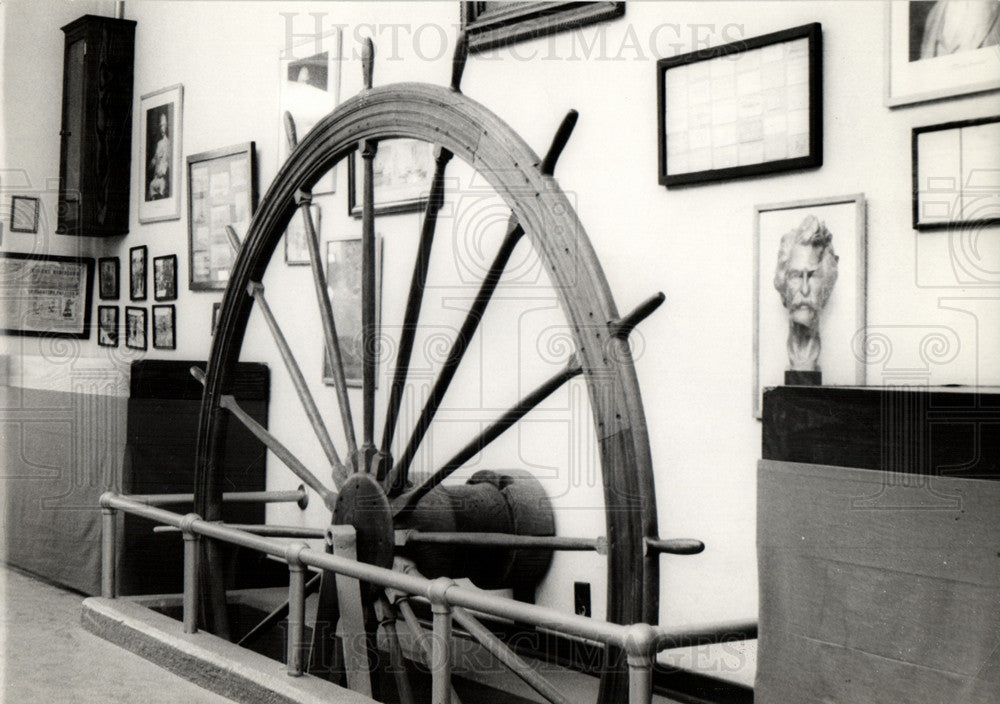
[108, 278]
[107, 326]
[955, 174]
[403, 171]
[137, 273]
[24, 214]
[809, 293]
[742, 109]
[940, 49]
[493, 24]
[165, 278]
[343, 283]
[160, 164]
[296, 245]
[135, 327]
[164, 337]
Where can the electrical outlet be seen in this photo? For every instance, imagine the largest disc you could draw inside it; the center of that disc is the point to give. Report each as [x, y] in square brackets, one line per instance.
[581, 598]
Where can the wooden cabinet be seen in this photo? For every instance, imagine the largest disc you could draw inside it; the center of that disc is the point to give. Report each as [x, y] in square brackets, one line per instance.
[96, 134]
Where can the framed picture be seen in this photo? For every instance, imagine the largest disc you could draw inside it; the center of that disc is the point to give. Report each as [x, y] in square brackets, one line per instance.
[164, 337]
[216, 307]
[343, 282]
[135, 328]
[222, 190]
[45, 295]
[809, 293]
[403, 171]
[955, 174]
[24, 214]
[940, 49]
[308, 90]
[107, 326]
[493, 24]
[743, 109]
[109, 278]
[161, 120]
[165, 278]
[137, 273]
[296, 246]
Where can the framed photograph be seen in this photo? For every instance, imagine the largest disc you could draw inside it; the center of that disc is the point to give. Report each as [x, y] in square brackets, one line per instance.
[955, 174]
[343, 282]
[296, 246]
[809, 293]
[109, 278]
[107, 326]
[940, 49]
[164, 336]
[160, 122]
[743, 109]
[308, 90]
[24, 214]
[165, 278]
[135, 328]
[222, 190]
[137, 273]
[45, 295]
[492, 24]
[403, 170]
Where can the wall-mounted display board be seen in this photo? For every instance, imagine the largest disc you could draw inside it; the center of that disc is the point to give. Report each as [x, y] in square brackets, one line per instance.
[45, 295]
[492, 24]
[742, 109]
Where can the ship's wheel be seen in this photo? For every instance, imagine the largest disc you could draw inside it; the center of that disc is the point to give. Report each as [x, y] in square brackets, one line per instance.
[375, 487]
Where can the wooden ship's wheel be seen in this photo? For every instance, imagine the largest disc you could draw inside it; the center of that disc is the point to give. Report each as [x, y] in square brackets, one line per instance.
[373, 487]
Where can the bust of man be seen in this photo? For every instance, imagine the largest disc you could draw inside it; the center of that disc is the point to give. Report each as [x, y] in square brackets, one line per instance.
[806, 273]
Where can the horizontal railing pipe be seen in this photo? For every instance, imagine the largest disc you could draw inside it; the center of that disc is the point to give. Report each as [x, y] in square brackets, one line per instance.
[265, 530]
[299, 496]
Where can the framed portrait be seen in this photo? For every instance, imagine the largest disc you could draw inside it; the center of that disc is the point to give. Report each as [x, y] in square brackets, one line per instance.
[940, 49]
[164, 335]
[403, 172]
[308, 90]
[135, 327]
[742, 109]
[955, 171]
[165, 278]
[809, 293]
[296, 245]
[24, 214]
[343, 282]
[493, 24]
[45, 295]
[107, 326]
[137, 273]
[222, 190]
[109, 278]
[160, 124]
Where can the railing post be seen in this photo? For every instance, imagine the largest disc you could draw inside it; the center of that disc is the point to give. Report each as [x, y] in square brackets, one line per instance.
[108, 540]
[295, 653]
[192, 545]
[437, 592]
[640, 647]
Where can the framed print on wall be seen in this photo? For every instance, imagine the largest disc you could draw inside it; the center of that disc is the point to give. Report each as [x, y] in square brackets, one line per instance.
[108, 269]
[164, 328]
[135, 328]
[809, 293]
[403, 171]
[343, 284]
[493, 24]
[940, 49]
[165, 278]
[107, 326]
[742, 109]
[137, 273]
[24, 214]
[161, 119]
[45, 295]
[222, 190]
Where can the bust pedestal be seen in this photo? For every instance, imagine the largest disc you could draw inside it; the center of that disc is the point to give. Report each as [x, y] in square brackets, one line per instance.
[800, 378]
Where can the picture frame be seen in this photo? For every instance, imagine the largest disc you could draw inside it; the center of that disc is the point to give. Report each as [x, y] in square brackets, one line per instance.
[919, 67]
[161, 122]
[164, 327]
[296, 246]
[954, 174]
[222, 190]
[343, 282]
[107, 326]
[109, 278]
[137, 273]
[135, 327]
[841, 320]
[743, 109]
[165, 278]
[308, 90]
[24, 211]
[46, 295]
[494, 24]
[404, 171]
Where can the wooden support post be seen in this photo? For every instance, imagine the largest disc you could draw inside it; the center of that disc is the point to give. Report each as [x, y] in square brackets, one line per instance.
[351, 625]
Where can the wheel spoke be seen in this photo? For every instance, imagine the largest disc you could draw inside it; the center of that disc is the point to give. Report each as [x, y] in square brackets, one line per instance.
[387, 619]
[368, 341]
